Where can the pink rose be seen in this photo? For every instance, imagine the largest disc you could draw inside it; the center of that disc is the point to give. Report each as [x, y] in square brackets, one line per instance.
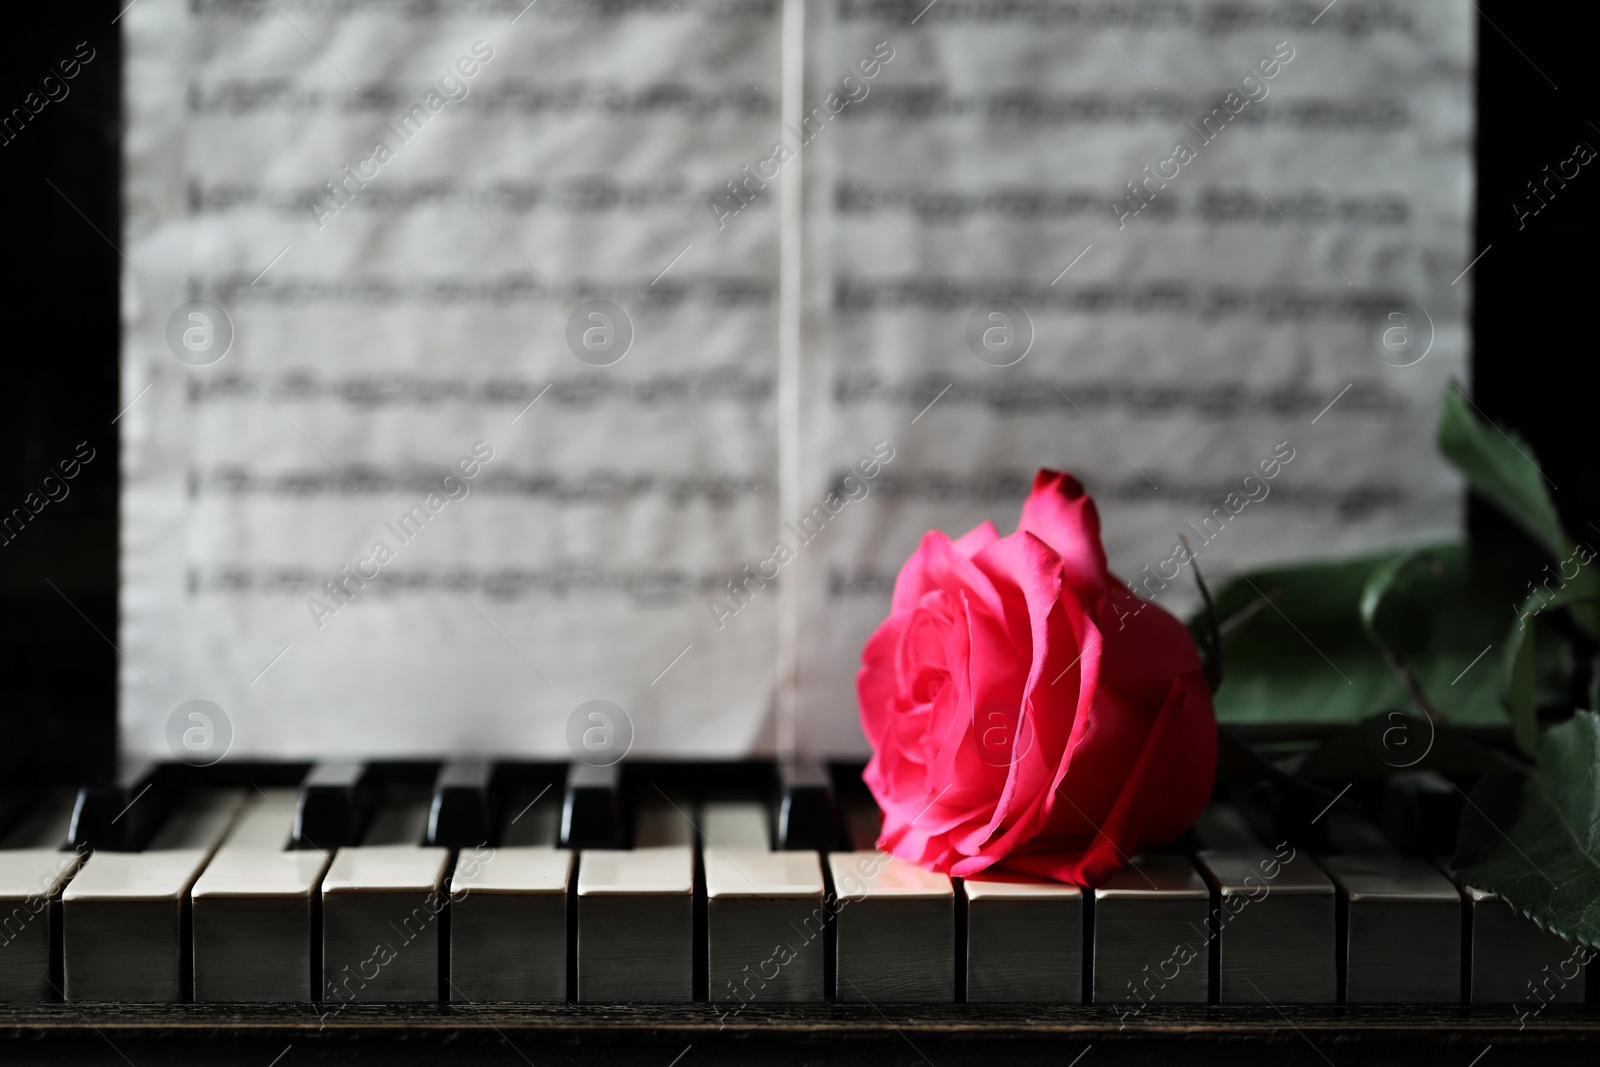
[1026, 709]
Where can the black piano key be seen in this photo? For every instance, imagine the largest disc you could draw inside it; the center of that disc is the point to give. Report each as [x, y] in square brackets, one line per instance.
[1223, 825]
[120, 816]
[1420, 812]
[333, 808]
[15, 804]
[806, 817]
[47, 824]
[459, 817]
[591, 811]
[1350, 834]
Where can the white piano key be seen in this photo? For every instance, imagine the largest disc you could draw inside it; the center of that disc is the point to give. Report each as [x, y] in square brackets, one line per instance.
[508, 926]
[1024, 939]
[764, 923]
[741, 824]
[1272, 927]
[1513, 961]
[662, 822]
[402, 820]
[636, 910]
[31, 880]
[508, 923]
[200, 819]
[635, 924]
[35, 864]
[252, 909]
[896, 930]
[764, 912]
[380, 923]
[1402, 930]
[1150, 941]
[267, 822]
[123, 913]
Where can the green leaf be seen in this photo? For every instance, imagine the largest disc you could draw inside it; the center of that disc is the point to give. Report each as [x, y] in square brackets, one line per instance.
[1378, 585]
[1306, 656]
[1539, 846]
[1382, 578]
[1528, 678]
[1501, 468]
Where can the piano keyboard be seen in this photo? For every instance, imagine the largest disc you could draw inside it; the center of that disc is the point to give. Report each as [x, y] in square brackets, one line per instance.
[743, 885]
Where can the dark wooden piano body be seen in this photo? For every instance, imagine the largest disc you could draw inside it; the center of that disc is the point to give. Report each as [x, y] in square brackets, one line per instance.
[654, 1035]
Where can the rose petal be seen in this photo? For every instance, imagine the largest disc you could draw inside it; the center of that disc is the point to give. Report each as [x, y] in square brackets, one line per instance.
[935, 565]
[1035, 571]
[1060, 514]
[976, 539]
[1150, 648]
[1167, 788]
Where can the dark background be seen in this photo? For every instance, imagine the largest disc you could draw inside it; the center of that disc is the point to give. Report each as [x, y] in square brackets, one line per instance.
[1533, 323]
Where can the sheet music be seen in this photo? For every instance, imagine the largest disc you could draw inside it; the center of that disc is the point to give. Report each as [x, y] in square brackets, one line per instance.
[411, 285]
[424, 322]
[1178, 336]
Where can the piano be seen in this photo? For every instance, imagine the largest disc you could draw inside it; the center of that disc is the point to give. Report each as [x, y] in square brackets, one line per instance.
[486, 911]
